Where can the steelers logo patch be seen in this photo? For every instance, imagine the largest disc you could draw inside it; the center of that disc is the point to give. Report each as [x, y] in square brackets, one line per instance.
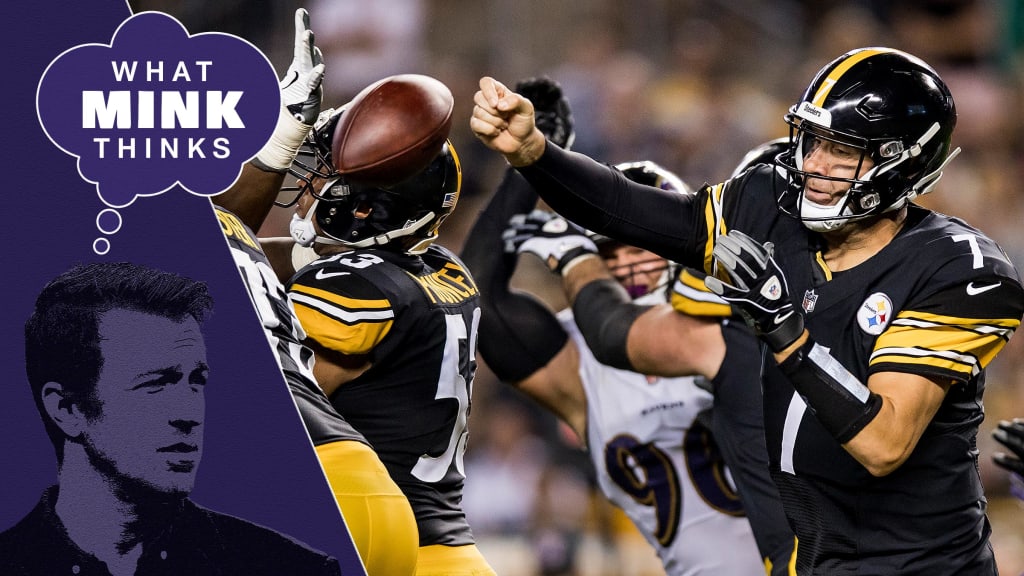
[875, 313]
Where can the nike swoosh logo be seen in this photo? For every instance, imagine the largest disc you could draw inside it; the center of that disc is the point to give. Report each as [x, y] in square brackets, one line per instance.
[779, 319]
[322, 274]
[973, 290]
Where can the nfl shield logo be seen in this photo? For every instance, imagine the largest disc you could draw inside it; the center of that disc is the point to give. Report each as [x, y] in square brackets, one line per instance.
[810, 299]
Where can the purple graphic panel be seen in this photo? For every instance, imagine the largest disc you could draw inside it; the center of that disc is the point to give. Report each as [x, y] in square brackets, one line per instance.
[257, 463]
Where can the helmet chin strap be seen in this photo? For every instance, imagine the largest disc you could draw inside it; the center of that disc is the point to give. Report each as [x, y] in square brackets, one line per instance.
[304, 233]
[387, 237]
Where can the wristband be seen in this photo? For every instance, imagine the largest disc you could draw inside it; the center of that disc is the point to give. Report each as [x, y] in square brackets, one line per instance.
[279, 152]
[572, 258]
[842, 404]
[786, 332]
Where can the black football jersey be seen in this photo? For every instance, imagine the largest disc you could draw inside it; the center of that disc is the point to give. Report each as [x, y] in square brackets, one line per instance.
[284, 333]
[415, 318]
[941, 300]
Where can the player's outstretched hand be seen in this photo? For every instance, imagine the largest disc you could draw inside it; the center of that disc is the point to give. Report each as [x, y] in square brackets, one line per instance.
[302, 84]
[556, 241]
[504, 121]
[758, 290]
[551, 110]
[301, 98]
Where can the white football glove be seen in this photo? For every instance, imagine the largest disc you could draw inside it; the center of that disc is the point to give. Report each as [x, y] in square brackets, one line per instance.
[301, 98]
[556, 241]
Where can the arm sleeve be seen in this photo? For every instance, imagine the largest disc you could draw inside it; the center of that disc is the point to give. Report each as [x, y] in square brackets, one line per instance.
[601, 199]
[518, 334]
[604, 313]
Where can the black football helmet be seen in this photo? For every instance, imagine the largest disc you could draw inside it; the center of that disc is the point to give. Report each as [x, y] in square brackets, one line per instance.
[764, 153]
[409, 212]
[890, 106]
[406, 215]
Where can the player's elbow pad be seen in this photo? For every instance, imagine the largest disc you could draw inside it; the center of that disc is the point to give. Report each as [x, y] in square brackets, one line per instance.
[604, 313]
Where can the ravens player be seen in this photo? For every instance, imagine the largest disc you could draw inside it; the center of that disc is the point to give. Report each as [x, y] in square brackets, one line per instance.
[654, 457]
[877, 316]
[377, 514]
[392, 318]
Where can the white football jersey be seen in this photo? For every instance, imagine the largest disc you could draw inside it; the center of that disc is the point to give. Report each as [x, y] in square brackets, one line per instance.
[658, 463]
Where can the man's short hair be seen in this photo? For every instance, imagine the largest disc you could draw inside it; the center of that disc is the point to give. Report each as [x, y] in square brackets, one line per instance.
[62, 335]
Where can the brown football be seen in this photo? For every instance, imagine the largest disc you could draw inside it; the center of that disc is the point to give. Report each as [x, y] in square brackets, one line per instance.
[392, 129]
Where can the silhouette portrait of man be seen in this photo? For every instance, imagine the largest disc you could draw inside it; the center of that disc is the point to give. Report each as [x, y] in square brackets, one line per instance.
[116, 362]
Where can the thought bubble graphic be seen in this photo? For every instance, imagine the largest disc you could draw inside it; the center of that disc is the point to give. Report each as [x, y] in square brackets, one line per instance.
[108, 221]
[157, 108]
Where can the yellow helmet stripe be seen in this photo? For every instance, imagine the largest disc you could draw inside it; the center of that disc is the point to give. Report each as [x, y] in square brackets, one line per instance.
[458, 171]
[838, 71]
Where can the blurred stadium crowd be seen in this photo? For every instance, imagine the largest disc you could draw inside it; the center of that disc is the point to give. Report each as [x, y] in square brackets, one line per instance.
[690, 84]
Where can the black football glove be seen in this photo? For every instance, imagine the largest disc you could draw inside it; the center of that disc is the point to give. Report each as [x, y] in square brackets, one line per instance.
[758, 289]
[552, 114]
[1011, 435]
[553, 239]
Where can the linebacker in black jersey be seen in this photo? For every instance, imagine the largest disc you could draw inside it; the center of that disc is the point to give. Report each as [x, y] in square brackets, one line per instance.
[392, 319]
[377, 514]
[879, 316]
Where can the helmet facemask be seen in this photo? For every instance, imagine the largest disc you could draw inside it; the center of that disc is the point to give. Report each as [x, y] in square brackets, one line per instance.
[638, 276]
[313, 161]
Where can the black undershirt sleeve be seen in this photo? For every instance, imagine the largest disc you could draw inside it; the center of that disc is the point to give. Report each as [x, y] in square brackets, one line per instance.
[518, 334]
[600, 198]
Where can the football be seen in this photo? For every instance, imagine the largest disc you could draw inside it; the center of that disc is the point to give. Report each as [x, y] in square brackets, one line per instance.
[392, 129]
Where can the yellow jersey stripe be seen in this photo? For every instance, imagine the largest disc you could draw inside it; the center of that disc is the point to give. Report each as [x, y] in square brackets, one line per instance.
[965, 366]
[691, 297]
[961, 345]
[790, 564]
[340, 336]
[341, 302]
[342, 315]
[714, 223]
[1002, 326]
